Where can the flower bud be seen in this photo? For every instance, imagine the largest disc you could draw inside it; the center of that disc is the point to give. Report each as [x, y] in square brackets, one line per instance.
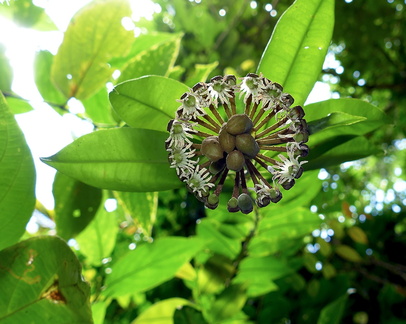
[212, 201]
[245, 203]
[247, 145]
[288, 184]
[211, 148]
[227, 141]
[239, 124]
[232, 205]
[275, 195]
[235, 160]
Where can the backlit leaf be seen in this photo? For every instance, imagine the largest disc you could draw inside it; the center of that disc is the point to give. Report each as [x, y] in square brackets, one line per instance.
[150, 265]
[148, 102]
[81, 66]
[17, 180]
[123, 159]
[333, 312]
[41, 282]
[295, 53]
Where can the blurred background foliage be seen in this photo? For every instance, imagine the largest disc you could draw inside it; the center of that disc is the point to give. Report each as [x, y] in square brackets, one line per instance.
[354, 265]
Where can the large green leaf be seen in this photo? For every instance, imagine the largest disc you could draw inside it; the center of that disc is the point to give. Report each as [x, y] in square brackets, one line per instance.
[141, 207]
[150, 265]
[148, 102]
[98, 239]
[76, 203]
[157, 60]
[42, 75]
[259, 273]
[123, 159]
[17, 180]
[338, 117]
[296, 50]
[342, 149]
[41, 282]
[94, 36]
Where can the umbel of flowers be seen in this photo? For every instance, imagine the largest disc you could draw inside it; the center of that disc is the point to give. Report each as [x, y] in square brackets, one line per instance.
[260, 139]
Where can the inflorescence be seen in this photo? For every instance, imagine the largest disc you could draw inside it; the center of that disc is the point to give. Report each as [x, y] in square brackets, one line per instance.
[260, 138]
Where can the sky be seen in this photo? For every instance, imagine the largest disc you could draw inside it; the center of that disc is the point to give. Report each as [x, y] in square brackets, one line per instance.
[45, 130]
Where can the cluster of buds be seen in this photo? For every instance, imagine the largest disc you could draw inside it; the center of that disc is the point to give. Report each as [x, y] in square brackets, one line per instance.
[259, 138]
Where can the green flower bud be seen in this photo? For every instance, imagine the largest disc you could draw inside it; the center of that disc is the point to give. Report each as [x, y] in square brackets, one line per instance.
[235, 160]
[227, 141]
[211, 148]
[239, 124]
[212, 201]
[232, 205]
[247, 145]
[245, 203]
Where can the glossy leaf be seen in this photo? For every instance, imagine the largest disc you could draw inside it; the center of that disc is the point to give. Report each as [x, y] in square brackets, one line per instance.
[157, 60]
[42, 75]
[141, 207]
[333, 312]
[279, 226]
[98, 239]
[41, 282]
[81, 66]
[148, 102]
[258, 274]
[150, 265]
[119, 159]
[339, 117]
[17, 180]
[76, 203]
[295, 53]
[340, 150]
[161, 312]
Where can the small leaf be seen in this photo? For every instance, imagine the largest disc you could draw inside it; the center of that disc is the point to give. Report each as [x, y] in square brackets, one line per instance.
[81, 66]
[6, 70]
[161, 312]
[188, 315]
[42, 75]
[201, 73]
[295, 53]
[41, 282]
[157, 60]
[18, 106]
[333, 312]
[17, 180]
[348, 253]
[98, 239]
[76, 203]
[148, 102]
[124, 159]
[357, 235]
[141, 207]
[150, 265]
[228, 303]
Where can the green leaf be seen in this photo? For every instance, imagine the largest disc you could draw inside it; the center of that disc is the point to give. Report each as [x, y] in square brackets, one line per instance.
[188, 315]
[348, 253]
[161, 312]
[17, 180]
[18, 106]
[228, 303]
[98, 108]
[42, 75]
[295, 53]
[208, 229]
[141, 207]
[76, 203]
[157, 60]
[150, 265]
[332, 153]
[258, 274]
[333, 312]
[201, 73]
[81, 66]
[6, 71]
[279, 226]
[148, 102]
[338, 117]
[41, 282]
[98, 239]
[123, 159]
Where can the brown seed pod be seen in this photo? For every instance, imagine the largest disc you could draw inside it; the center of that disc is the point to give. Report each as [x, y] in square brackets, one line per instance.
[247, 145]
[239, 124]
[227, 141]
[235, 160]
[211, 148]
